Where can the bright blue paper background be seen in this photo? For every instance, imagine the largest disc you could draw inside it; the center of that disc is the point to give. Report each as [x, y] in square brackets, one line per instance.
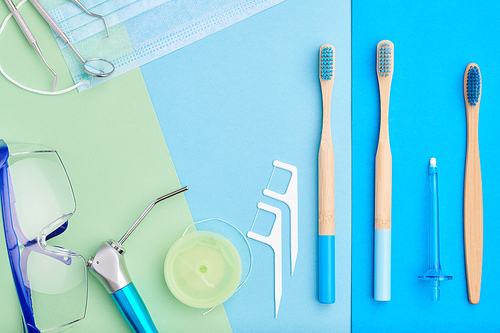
[235, 101]
[433, 43]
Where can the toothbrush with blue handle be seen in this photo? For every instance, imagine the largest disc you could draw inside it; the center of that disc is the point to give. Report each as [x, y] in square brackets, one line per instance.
[383, 177]
[473, 192]
[326, 183]
[108, 266]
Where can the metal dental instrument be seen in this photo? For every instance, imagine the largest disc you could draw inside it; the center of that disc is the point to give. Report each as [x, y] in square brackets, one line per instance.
[78, 3]
[143, 215]
[95, 66]
[29, 36]
[108, 266]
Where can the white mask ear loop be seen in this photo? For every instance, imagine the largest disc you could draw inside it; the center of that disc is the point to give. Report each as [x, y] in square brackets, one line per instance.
[41, 92]
[246, 241]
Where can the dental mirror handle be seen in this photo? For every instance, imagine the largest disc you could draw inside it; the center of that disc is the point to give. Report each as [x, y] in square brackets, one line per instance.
[50, 21]
[53, 24]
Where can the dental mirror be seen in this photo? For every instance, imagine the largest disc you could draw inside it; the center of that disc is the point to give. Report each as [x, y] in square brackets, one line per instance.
[98, 67]
[95, 66]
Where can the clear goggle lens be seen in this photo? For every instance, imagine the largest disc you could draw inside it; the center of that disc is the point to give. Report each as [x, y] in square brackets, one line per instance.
[42, 201]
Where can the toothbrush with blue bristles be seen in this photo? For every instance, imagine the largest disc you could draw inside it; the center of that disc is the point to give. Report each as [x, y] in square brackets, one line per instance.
[473, 193]
[326, 182]
[383, 177]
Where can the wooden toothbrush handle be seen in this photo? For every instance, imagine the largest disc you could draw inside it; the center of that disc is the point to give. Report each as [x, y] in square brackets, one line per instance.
[383, 185]
[383, 164]
[326, 186]
[473, 213]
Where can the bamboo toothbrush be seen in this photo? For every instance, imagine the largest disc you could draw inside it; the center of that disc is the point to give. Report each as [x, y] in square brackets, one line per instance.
[383, 177]
[326, 182]
[473, 193]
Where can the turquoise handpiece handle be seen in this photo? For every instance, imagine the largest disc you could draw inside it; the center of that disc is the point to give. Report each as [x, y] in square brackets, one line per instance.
[326, 269]
[134, 310]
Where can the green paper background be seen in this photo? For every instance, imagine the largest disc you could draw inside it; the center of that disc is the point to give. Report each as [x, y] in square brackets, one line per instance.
[114, 151]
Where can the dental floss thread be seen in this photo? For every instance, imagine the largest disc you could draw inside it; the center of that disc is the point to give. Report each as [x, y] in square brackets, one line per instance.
[41, 92]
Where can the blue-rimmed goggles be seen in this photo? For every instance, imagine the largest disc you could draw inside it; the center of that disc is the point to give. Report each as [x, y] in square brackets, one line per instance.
[37, 201]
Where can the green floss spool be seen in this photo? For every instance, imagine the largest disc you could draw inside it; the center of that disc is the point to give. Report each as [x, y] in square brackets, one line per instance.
[203, 269]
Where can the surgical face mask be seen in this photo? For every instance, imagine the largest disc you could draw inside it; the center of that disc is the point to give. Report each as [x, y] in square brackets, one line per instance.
[141, 30]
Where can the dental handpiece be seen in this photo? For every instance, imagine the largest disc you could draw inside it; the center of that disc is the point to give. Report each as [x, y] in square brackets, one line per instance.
[29, 36]
[108, 266]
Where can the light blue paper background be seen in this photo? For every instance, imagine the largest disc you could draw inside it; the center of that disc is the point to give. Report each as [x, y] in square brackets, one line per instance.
[235, 101]
[433, 43]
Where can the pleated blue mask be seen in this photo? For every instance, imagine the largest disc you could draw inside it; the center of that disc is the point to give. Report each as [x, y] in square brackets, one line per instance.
[141, 31]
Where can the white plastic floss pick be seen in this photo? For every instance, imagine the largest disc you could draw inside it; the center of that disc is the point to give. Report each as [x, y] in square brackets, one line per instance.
[291, 199]
[274, 241]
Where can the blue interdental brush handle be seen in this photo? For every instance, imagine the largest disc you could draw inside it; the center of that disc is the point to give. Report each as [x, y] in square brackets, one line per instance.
[434, 274]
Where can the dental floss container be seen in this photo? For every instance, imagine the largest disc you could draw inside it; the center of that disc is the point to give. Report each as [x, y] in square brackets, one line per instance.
[203, 269]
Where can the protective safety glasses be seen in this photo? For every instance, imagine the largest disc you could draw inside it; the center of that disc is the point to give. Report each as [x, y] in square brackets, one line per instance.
[37, 202]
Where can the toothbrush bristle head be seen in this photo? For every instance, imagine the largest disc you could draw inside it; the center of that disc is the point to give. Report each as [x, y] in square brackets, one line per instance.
[327, 62]
[473, 85]
[384, 58]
